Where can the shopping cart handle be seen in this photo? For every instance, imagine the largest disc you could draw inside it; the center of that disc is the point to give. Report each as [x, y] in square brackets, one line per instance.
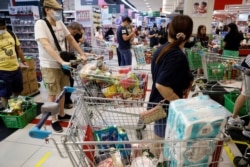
[65, 67]
[69, 89]
[36, 131]
[245, 70]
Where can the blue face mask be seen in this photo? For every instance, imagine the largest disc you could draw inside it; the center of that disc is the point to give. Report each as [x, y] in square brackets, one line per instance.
[57, 15]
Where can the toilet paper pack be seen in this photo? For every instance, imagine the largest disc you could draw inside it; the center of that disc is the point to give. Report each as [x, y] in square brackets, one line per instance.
[189, 120]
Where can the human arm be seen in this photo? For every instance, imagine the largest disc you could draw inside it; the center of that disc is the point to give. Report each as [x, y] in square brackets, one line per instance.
[166, 92]
[127, 37]
[20, 54]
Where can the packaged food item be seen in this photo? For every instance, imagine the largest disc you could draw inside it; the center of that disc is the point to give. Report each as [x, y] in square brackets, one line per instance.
[125, 149]
[107, 134]
[100, 158]
[116, 157]
[142, 161]
[106, 163]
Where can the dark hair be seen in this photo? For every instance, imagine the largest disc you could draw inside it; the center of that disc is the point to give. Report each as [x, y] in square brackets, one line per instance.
[126, 18]
[2, 22]
[204, 3]
[98, 28]
[199, 31]
[179, 24]
[75, 26]
[233, 28]
[196, 3]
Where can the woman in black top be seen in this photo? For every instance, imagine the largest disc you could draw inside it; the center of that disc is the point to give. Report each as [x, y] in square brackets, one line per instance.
[232, 41]
[170, 70]
[201, 36]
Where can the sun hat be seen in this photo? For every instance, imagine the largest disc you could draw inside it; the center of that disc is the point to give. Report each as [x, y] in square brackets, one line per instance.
[52, 4]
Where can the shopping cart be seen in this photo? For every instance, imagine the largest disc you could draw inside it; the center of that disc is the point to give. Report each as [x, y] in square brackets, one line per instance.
[243, 161]
[143, 57]
[219, 68]
[108, 139]
[105, 51]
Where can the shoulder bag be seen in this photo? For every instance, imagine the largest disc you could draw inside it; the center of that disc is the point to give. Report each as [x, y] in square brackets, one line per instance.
[65, 55]
[154, 114]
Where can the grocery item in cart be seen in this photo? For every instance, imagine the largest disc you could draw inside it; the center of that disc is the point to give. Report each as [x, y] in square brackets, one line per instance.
[119, 83]
[197, 117]
[194, 118]
[142, 161]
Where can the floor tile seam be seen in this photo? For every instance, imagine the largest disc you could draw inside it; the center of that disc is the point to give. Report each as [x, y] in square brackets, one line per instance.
[29, 158]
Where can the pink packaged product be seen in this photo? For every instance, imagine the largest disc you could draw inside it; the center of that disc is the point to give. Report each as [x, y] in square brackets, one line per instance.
[106, 163]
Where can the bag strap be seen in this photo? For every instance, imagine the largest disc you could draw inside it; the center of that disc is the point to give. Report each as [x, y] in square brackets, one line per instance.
[53, 35]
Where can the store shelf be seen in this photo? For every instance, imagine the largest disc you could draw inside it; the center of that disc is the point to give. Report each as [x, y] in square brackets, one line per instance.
[27, 40]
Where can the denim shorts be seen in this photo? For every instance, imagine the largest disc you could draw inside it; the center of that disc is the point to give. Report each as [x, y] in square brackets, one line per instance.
[10, 82]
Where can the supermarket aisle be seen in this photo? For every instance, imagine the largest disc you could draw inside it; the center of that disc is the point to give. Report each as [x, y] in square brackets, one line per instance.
[19, 150]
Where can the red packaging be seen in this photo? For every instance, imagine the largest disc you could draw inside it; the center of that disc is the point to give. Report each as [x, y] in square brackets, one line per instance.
[89, 136]
[106, 163]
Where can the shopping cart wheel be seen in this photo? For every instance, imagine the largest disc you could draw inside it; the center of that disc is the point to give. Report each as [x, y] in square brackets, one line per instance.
[139, 134]
[240, 161]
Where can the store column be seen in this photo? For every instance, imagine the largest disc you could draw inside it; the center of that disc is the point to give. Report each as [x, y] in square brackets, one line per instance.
[201, 12]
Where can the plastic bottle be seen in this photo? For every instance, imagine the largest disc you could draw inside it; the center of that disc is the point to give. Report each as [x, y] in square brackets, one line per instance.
[116, 157]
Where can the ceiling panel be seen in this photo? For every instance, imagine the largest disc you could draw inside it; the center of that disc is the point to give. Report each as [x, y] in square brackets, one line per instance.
[141, 5]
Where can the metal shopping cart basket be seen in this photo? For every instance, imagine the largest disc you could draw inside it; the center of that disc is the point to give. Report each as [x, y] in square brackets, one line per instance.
[99, 80]
[219, 68]
[107, 138]
[143, 57]
[104, 50]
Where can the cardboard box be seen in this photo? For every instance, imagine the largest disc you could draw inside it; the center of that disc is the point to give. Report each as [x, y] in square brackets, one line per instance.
[26, 89]
[32, 74]
[33, 86]
[31, 63]
[24, 74]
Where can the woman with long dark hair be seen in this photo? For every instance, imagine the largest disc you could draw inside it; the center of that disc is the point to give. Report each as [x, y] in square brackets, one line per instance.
[170, 70]
[232, 41]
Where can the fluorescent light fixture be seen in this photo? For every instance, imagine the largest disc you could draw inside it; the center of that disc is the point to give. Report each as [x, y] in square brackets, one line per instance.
[124, 1]
[146, 3]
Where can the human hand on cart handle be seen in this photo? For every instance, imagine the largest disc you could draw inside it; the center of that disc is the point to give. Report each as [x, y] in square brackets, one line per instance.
[84, 58]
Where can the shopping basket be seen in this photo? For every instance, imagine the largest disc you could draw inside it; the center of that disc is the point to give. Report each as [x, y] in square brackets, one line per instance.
[194, 58]
[107, 137]
[218, 68]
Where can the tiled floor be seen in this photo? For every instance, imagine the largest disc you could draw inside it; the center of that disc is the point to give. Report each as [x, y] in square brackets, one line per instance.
[20, 150]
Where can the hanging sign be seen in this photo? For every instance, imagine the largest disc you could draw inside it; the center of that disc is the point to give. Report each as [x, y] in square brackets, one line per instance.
[113, 9]
[89, 2]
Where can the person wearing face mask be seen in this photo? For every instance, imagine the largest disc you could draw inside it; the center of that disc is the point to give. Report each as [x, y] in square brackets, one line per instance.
[10, 73]
[50, 60]
[154, 36]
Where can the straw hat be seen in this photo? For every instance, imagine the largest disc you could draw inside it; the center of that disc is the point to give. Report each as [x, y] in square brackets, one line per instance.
[52, 4]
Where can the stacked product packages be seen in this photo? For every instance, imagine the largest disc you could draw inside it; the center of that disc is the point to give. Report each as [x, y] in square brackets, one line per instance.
[192, 126]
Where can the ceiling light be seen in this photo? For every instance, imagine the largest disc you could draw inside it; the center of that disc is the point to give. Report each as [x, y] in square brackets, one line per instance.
[124, 1]
[146, 3]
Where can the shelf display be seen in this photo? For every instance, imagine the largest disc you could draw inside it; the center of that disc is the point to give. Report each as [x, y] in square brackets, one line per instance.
[69, 16]
[90, 18]
[22, 19]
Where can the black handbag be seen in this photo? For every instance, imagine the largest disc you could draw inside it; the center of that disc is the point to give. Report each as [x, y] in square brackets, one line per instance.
[65, 55]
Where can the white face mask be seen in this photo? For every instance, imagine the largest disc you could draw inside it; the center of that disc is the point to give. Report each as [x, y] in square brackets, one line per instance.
[57, 15]
[2, 31]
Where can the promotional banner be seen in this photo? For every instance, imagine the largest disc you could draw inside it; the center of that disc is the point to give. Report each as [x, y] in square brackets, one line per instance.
[89, 2]
[113, 9]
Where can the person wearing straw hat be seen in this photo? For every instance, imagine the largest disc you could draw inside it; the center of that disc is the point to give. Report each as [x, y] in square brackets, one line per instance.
[50, 60]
